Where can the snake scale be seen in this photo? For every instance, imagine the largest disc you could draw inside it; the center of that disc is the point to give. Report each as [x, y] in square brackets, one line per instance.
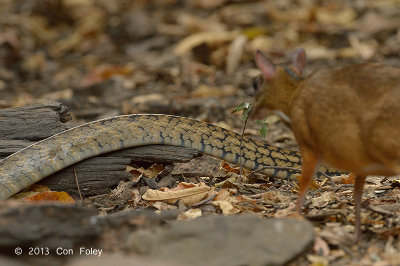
[27, 166]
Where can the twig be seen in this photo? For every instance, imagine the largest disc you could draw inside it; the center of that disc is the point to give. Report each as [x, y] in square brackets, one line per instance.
[241, 150]
[210, 198]
[330, 179]
[77, 184]
[294, 169]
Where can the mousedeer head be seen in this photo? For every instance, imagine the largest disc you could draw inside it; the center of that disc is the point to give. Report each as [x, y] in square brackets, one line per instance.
[277, 83]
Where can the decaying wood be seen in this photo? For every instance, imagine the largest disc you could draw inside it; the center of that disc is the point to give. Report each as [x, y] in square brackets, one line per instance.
[20, 127]
[34, 122]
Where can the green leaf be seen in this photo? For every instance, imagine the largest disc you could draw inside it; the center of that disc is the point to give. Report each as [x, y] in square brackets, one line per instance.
[264, 127]
[245, 107]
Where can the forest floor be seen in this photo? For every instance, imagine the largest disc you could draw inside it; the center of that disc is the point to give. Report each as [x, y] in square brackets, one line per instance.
[195, 59]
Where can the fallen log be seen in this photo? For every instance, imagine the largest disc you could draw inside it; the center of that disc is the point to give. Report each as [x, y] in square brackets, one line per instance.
[22, 126]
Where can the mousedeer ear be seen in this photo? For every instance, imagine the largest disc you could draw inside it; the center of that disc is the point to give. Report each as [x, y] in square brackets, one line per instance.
[299, 60]
[265, 65]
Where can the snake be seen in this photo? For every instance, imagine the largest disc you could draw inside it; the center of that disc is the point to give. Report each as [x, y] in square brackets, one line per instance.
[39, 160]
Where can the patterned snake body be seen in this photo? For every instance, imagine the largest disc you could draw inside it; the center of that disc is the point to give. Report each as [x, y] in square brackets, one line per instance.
[27, 166]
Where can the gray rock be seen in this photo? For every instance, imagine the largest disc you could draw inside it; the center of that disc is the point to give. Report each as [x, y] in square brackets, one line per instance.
[11, 262]
[48, 225]
[225, 240]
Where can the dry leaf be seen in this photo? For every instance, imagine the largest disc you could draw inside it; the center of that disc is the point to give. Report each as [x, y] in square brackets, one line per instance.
[229, 182]
[350, 179]
[321, 247]
[31, 191]
[135, 197]
[280, 213]
[63, 197]
[223, 194]
[103, 73]
[246, 204]
[336, 234]
[150, 172]
[235, 54]
[144, 99]
[274, 196]
[366, 49]
[374, 22]
[313, 185]
[190, 214]
[162, 206]
[189, 194]
[154, 170]
[226, 207]
[224, 165]
[136, 174]
[342, 17]
[204, 91]
[210, 37]
[323, 200]
[318, 260]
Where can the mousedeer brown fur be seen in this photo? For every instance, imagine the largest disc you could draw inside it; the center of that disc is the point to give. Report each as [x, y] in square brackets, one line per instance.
[347, 118]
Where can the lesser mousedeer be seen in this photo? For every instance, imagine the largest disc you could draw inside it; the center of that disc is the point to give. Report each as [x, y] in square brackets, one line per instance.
[348, 118]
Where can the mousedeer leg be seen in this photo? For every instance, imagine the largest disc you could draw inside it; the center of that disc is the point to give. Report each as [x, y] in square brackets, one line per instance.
[358, 191]
[310, 160]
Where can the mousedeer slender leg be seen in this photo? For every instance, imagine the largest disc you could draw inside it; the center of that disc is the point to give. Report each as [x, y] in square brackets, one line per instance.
[358, 191]
[310, 160]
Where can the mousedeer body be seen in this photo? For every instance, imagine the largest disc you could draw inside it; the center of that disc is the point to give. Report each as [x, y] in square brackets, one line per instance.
[347, 118]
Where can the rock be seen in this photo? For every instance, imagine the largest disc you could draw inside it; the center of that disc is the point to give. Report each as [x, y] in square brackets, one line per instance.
[225, 240]
[11, 262]
[49, 225]
[120, 259]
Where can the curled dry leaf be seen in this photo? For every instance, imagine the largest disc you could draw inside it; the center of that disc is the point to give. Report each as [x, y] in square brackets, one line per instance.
[321, 247]
[162, 206]
[226, 207]
[189, 194]
[210, 37]
[153, 170]
[234, 204]
[224, 165]
[148, 98]
[235, 53]
[223, 194]
[150, 172]
[190, 214]
[324, 199]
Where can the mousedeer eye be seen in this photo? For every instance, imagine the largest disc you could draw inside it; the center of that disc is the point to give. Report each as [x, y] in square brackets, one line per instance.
[257, 82]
